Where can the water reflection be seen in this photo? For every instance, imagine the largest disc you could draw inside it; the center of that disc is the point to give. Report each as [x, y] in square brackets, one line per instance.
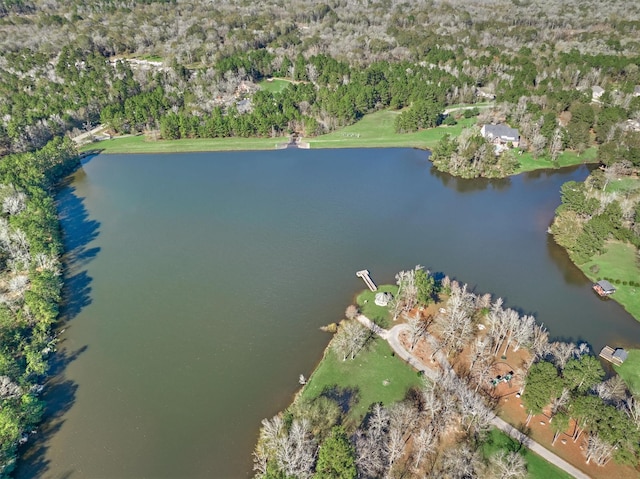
[464, 185]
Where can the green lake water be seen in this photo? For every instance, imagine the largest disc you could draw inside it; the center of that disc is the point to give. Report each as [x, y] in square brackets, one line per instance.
[197, 284]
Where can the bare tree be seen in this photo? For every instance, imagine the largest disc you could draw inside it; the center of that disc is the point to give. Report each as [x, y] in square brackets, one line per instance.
[555, 148]
[350, 339]
[417, 329]
[424, 443]
[598, 450]
[562, 352]
[508, 465]
[351, 312]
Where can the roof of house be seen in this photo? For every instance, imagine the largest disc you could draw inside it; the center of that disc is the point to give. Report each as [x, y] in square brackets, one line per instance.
[597, 89]
[636, 90]
[620, 353]
[605, 285]
[503, 132]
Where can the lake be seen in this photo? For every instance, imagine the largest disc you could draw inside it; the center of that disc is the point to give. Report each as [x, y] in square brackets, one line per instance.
[197, 284]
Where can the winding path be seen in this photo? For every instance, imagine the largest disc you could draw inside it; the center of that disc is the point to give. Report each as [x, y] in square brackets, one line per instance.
[392, 336]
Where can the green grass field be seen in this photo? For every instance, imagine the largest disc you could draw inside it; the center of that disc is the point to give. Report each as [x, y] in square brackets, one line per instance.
[618, 263]
[376, 130]
[378, 314]
[630, 371]
[139, 144]
[567, 158]
[624, 185]
[276, 85]
[537, 467]
[375, 375]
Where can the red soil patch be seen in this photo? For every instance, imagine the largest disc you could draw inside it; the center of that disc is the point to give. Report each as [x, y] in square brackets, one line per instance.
[511, 409]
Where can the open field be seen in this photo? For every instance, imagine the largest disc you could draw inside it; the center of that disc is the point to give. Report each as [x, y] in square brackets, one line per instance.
[376, 130]
[537, 467]
[619, 264]
[276, 85]
[624, 185]
[567, 158]
[375, 375]
[630, 371]
[139, 144]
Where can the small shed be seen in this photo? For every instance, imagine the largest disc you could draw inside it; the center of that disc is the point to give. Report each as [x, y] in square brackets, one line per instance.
[615, 356]
[383, 299]
[620, 355]
[604, 288]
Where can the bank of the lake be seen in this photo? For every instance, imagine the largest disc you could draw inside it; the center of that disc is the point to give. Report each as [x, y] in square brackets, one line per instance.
[374, 130]
[200, 281]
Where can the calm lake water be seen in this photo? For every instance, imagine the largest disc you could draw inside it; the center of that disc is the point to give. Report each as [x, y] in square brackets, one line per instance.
[198, 282]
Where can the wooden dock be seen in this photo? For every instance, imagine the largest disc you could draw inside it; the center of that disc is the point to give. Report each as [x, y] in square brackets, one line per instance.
[366, 277]
[615, 356]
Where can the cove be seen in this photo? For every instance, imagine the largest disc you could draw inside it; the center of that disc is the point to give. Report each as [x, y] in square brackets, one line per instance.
[197, 283]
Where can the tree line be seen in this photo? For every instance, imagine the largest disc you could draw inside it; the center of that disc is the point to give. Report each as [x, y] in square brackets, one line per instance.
[30, 286]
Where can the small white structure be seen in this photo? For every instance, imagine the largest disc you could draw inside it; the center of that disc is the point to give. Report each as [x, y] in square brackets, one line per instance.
[596, 92]
[383, 299]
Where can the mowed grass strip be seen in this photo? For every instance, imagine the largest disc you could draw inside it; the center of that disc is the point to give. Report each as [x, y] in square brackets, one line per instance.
[537, 467]
[619, 264]
[566, 158]
[377, 130]
[375, 375]
[630, 371]
[140, 144]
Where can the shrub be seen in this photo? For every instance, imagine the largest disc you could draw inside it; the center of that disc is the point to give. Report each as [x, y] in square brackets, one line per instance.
[594, 268]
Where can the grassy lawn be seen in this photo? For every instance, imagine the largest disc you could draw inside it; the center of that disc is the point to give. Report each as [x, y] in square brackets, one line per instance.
[139, 144]
[378, 314]
[276, 85]
[623, 185]
[376, 131]
[567, 158]
[375, 375]
[537, 467]
[618, 263]
[630, 371]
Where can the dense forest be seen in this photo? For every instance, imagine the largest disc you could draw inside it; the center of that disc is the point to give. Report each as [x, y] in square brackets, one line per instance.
[564, 73]
[30, 286]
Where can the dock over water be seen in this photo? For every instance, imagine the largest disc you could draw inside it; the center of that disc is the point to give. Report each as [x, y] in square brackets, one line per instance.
[366, 277]
[615, 356]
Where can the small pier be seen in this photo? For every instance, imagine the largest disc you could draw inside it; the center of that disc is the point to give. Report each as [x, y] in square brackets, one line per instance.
[615, 356]
[366, 277]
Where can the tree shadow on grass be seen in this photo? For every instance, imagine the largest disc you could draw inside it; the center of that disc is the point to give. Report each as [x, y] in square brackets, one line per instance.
[346, 398]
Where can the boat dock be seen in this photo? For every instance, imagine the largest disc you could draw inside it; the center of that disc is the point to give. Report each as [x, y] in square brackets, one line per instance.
[615, 356]
[366, 277]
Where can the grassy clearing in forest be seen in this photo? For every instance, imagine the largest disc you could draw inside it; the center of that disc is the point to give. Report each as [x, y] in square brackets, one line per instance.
[377, 130]
[619, 264]
[276, 85]
[375, 375]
